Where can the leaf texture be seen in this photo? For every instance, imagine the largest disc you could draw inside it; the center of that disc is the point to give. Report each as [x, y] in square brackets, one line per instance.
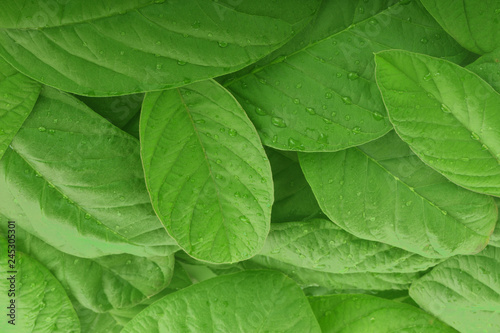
[206, 171]
[319, 94]
[143, 45]
[364, 313]
[464, 292]
[447, 114]
[75, 181]
[19, 94]
[382, 192]
[474, 24]
[267, 301]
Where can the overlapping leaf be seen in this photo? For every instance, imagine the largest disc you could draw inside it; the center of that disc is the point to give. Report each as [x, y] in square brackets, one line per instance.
[474, 24]
[382, 192]
[318, 93]
[488, 68]
[75, 181]
[447, 114]
[19, 94]
[207, 173]
[364, 313]
[321, 245]
[96, 49]
[464, 292]
[40, 302]
[266, 301]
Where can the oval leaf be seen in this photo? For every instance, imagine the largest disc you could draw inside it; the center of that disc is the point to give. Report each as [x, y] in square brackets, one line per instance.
[382, 192]
[365, 313]
[318, 92]
[206, 171]
[76, 182]
[143, 45]
[266, 301]
[447, 114]
[464, 292]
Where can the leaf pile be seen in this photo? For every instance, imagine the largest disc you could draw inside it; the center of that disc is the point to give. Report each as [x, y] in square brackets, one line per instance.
[249, 166]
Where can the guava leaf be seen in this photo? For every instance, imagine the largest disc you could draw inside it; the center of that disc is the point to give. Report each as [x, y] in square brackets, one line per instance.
[464, 292]
[319, 94]
[447, 114]
[206, 171]
[116, 48]
[488, 68]
[41, 304]
[321, 245]
[75, 181]
[474, 24]
[365, 313]
[19, 94]
[382, 192]
[266, 301]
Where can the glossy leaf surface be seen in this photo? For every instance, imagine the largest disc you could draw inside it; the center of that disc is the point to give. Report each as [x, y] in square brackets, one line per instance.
[267, 301]
[143, 45]
[464, 292]
[318, 92]
[382, 192]
[364, 313]
[474, 24]
[75, 181]
[447, 114]
[19, 94]
[207, 173]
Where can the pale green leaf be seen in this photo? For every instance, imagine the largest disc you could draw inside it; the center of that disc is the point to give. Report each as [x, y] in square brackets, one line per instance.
[100, 49]
[488, 68]
[206, 171]
[248, 301]
[19, 94]
[447, 114]
[40, 303]
[364, 313]
[75, 181]
[319, 94]
[464, 292]
[320, 245]
[474, 24]
[382, 192]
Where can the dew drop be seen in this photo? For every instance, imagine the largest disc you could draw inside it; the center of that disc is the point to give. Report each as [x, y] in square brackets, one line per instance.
[327, 121]
[200, 121]
[328, 95]
[278, 122]
[427, 77]
[353, 76]
[356, 130]
[474, 136]
[245, 219]
[87, 216]
[445, 108]
[222, 44]
[423, 40]
[377, 116]
[218, 161]
[310, 111]
[181, 63]
[347, 100]
[42, 129]
[296, 101]
[232, 132]
[295, 144]
[339, 75]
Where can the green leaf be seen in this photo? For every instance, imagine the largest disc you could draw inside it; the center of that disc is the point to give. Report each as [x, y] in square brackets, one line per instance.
[266, 301]
[488, 68]
[119, 110]
[75, 181]
[495, 236]
[321, 245]
[364, 313]
[96, 49]
[19, 94]
[464, 292]
[206, 172]
[447, 114]
[334, 281]
[41, 304]
[319, 94]
[382, 192]
[474, 24]
[123, 280]
[293, 197]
